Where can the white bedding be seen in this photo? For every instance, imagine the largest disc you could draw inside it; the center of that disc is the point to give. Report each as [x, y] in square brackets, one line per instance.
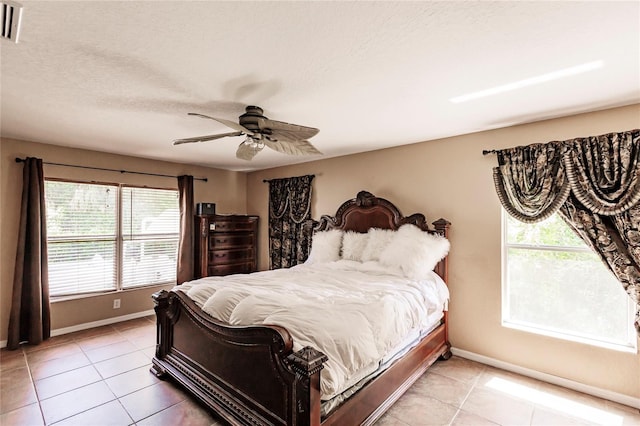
[356, 313]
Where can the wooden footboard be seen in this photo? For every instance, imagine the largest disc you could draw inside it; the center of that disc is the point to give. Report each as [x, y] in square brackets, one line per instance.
[248, 375]
[251, 376]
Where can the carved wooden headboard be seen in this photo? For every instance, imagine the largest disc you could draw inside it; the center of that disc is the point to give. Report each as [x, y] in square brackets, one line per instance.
[368, 211]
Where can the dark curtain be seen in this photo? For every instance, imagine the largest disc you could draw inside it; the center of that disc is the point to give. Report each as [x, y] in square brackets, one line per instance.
[29, 319]
[289, 210]
[185, 243]
[594, 185]
[531, 182]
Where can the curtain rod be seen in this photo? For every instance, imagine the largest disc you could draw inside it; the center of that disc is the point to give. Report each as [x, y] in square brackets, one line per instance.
[22, 160]
[269, 180]
[487, 152]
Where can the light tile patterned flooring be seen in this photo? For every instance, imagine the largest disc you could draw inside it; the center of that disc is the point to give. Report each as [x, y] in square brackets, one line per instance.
[101, 377]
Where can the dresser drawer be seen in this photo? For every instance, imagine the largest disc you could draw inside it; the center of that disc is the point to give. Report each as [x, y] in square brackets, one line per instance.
[225, 244]
[219, 240]
[233, 225]
[217, 257]
[233, 268]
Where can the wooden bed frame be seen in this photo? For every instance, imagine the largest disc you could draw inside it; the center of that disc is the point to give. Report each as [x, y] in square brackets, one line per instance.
[251, 376]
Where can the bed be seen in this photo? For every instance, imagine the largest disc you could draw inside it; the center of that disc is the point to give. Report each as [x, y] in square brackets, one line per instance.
[258, 374]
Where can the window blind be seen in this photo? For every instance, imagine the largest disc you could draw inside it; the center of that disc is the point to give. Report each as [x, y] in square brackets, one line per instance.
[82, 236]
[150, 229]
[105, 237]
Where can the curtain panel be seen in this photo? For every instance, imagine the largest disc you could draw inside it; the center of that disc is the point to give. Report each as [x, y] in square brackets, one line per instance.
[289, 210]
[185, 264]
[593, 183]
[30, 318]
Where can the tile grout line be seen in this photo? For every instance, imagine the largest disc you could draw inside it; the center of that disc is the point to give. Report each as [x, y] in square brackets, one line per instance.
[473, 386]
[104, 380]
[29, 368]
[92, 364]
[125, 410]
[33, 385]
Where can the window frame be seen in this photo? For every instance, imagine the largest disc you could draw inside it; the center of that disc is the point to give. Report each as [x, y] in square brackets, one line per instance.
[506, 321]
[119, 240]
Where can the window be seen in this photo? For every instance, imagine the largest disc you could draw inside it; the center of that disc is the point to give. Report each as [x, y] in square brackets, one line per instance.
[555, 285]
[107, 237]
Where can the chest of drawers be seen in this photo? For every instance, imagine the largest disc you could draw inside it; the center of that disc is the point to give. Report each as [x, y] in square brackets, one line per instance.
[225, 244]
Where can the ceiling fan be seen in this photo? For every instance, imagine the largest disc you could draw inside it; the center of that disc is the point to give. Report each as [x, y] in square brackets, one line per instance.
[260, 132]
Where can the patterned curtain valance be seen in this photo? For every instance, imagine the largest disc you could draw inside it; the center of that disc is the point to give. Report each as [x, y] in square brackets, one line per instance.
[603, 172]
[530, 181]
[300, 199]
[278, 198]
[290, 196]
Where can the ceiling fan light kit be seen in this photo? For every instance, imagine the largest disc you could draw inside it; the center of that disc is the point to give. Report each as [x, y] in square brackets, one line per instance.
[253, 142]
[260, 132]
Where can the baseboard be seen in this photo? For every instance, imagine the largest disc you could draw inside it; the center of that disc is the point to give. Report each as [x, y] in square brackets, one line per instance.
[93, 324]
[549, 378]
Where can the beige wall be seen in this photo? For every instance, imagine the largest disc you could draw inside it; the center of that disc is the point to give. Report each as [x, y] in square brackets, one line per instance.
[225, 188]
[451, 178]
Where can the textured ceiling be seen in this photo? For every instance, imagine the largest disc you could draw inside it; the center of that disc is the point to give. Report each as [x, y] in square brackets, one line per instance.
[121, 76]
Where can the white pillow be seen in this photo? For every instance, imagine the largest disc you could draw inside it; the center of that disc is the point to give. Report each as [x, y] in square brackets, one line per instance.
[325, 246]
[353, 244]
[377, 241]
[414, 251]
[223, 301]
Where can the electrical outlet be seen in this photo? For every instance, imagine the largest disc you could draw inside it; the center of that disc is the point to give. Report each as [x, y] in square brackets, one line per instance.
[116, 303]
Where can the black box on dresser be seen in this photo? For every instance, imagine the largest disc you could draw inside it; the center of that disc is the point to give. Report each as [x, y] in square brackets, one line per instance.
[203, 209]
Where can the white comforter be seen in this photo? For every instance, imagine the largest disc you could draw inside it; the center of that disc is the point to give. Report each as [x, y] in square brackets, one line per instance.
[356, 313]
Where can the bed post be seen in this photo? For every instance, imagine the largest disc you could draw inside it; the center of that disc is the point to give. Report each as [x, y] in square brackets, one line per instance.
[307, 363]
[442, 269]
[163, 341]
[442, 228]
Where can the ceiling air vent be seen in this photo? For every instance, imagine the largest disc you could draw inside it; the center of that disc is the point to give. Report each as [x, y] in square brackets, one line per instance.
[10, 13]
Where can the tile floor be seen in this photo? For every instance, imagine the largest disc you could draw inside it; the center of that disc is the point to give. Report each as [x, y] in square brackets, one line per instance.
[101, 377]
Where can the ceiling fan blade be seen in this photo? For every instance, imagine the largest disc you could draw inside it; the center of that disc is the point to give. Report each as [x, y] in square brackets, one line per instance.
[287, 132]
[205, 138]
[247, 152]
[228, 123]
[298, 147]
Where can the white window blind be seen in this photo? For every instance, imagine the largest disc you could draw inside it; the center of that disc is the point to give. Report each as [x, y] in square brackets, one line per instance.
[82, 233]
[150, 228]
[105, 237]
